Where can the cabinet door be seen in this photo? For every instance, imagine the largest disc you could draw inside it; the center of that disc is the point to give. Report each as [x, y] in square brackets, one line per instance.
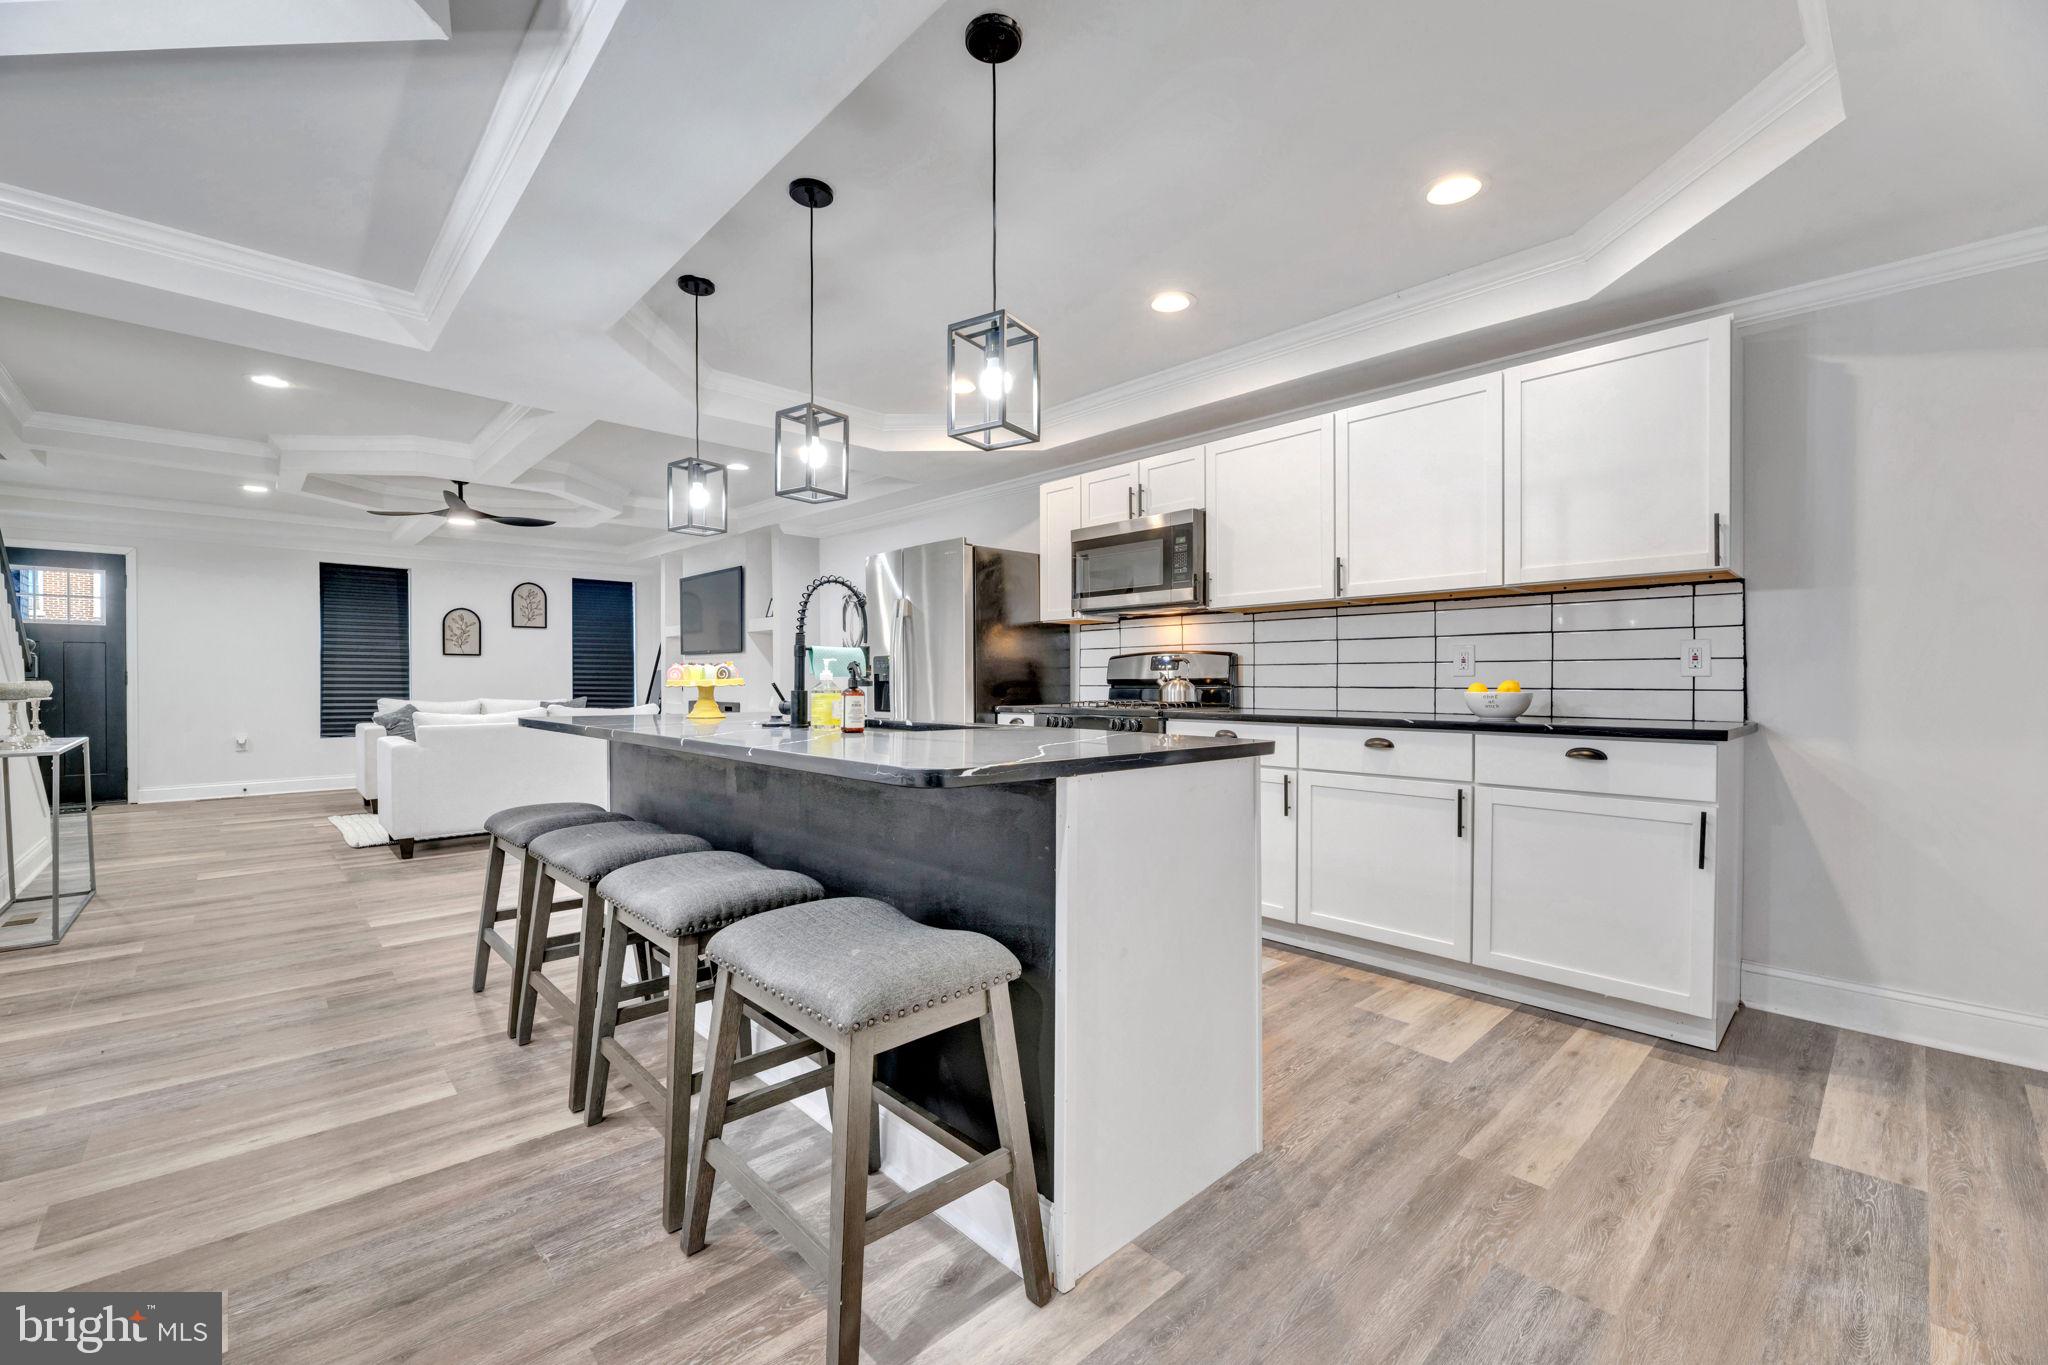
[1609, 894]
[1388, 860]
[1174, 481]
[1272, 516]
[1419, 490]
[1278, 823]
[1618, 458]
[1059, 513]
[1109, 495]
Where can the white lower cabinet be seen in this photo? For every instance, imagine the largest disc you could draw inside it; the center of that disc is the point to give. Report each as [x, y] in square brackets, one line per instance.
[1278, 822]
[1608, 894]
[1388, 859]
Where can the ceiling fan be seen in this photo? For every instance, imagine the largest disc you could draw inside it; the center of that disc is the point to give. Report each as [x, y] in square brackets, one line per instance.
[460, 513]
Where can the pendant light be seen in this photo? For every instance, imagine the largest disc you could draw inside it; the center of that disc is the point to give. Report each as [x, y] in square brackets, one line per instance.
[696, 486]
[810, 441]
[992, 359]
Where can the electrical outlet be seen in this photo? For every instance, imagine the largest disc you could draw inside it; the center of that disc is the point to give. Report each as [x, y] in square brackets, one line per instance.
[1696, 660]
[1464, 659]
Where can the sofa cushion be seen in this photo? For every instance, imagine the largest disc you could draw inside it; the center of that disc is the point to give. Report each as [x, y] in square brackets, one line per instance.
[439, 708]
[496, 705]
[397, 721]
[521, 825]
[589, 853]
[854, 962]
[694, 893]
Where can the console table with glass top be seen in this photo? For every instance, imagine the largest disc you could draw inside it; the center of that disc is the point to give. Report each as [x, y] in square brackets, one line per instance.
[64, 905]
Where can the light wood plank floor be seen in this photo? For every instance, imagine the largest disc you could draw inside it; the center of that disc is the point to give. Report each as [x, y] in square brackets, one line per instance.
[256, 1066]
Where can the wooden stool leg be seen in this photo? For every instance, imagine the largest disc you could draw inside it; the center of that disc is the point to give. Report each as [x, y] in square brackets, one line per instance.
[682, 1057]
[494, 875]
[606, 1019]
[710, 1125]
[536, 954]
[529, 873]
[846, 1246]
[586, 996]
[1006, 1085]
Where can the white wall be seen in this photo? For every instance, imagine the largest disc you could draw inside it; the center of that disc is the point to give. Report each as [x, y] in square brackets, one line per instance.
[227, 640]
[1897, 522]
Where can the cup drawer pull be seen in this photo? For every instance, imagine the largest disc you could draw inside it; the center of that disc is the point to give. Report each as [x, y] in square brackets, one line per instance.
[1376, 742]
[1226, 734]
[1593, 754]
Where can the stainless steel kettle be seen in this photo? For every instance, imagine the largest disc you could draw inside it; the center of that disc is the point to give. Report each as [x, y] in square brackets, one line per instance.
[1174, 690]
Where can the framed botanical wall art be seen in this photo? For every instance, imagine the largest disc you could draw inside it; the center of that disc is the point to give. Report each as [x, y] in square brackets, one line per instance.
[462, 632]
[529, 607]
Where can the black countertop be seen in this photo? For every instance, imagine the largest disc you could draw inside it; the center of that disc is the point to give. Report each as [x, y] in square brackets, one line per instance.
[944, 756]
[1528, 725]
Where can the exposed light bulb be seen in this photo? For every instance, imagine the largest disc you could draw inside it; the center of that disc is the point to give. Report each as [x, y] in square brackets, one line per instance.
[700, 496]
[995, 381]
[813, 452]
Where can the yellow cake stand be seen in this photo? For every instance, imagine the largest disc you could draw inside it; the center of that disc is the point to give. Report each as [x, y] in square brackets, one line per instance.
[707, 683]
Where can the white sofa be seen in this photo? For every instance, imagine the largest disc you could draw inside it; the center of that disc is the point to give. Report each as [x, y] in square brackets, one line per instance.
[369, 732]
[459, 769]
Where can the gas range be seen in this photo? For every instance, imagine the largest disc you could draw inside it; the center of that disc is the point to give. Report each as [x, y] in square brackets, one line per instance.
[1135, 704]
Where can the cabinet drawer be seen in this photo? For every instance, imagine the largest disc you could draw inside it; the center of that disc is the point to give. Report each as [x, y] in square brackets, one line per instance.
[1283, 755]
[1664, 769]
[1436, 754]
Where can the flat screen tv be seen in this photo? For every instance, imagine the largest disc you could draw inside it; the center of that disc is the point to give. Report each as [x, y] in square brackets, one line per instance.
[713, 612]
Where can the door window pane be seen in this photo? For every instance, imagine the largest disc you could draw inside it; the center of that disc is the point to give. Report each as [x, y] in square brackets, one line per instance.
[68, 596]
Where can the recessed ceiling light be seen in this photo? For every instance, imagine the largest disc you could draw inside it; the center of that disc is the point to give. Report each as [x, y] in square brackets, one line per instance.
[1172, 301]
[255, 488]
[738, 466]
[1453, 189]
[270, 381]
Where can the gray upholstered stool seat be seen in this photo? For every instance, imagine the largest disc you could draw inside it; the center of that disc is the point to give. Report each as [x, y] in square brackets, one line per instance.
[521, 825]
[695, 893]
[854, 962]
[590, 853]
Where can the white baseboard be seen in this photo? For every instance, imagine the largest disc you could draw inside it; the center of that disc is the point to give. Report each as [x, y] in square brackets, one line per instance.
[214, 791]
[31, 860]
[2001, 1035]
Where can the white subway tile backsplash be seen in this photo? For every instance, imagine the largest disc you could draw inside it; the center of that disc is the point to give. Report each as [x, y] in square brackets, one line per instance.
[1610, 653]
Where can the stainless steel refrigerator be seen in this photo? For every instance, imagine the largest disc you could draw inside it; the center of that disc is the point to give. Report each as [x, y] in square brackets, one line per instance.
[953, 633]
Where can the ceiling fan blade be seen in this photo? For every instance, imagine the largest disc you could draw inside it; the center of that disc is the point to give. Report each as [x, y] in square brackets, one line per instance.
[515, 521]
[438, 512]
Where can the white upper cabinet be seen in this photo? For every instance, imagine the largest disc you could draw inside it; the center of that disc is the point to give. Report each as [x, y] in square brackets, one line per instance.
[1174, 481]
[1419, 490]
[1059, 514]
[1618, 459]
[1109, 495]
[1272, 507]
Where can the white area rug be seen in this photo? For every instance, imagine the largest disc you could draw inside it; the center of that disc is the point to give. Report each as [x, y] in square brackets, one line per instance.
[361, 831]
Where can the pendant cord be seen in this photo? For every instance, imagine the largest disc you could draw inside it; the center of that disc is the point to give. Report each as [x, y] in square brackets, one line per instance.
[992, 220]
[697, 370]
[814, 307]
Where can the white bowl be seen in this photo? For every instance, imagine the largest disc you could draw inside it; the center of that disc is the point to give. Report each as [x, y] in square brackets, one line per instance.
[1498, 705]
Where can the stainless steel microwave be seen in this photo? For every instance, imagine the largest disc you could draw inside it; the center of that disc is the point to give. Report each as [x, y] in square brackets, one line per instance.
[1152, 564]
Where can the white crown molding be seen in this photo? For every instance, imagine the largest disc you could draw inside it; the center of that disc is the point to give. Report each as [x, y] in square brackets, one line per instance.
[2014, 249]
[546, 76]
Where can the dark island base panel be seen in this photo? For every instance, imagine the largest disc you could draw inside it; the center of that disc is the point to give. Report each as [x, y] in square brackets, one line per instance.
[977, 858]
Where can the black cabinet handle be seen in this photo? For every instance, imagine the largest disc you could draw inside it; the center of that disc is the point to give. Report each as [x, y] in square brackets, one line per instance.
[1703, 841]
[1286, 794]
[1376, 742]
[1461, 812]
[1594, 754]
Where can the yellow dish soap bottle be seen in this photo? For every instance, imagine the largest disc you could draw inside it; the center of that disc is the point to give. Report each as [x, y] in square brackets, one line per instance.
[825, 702]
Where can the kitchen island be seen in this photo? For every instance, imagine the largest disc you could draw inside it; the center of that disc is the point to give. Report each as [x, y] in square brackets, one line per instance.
[1119, 868]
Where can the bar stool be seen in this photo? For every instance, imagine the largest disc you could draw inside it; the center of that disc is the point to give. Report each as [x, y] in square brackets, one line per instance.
[578, 858]
[673, 904]
[858, 977]
[510, 831]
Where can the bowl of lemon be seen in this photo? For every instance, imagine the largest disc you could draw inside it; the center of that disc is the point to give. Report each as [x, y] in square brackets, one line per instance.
[1506, 702]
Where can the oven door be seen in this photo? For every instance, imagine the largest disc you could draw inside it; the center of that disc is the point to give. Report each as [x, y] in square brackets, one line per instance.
[1154, 563]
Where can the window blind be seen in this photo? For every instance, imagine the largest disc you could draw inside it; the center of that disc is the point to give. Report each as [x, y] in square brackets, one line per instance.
[365, 642]
[601, 623]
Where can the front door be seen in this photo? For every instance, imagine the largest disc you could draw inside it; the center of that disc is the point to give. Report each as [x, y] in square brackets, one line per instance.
[74, 608]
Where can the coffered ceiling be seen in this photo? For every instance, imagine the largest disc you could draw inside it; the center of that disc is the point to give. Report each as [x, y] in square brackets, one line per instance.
[454, 227]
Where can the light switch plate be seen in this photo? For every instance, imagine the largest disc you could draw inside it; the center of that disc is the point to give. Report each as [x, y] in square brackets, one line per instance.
[1464, 659]
[1696, 660]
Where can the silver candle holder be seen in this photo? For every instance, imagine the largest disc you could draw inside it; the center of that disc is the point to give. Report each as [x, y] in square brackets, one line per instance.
[32, 694]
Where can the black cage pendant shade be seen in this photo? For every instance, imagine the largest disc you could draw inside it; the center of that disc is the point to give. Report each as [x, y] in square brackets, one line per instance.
[811, 442]
[696, 486]
[992, 358]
